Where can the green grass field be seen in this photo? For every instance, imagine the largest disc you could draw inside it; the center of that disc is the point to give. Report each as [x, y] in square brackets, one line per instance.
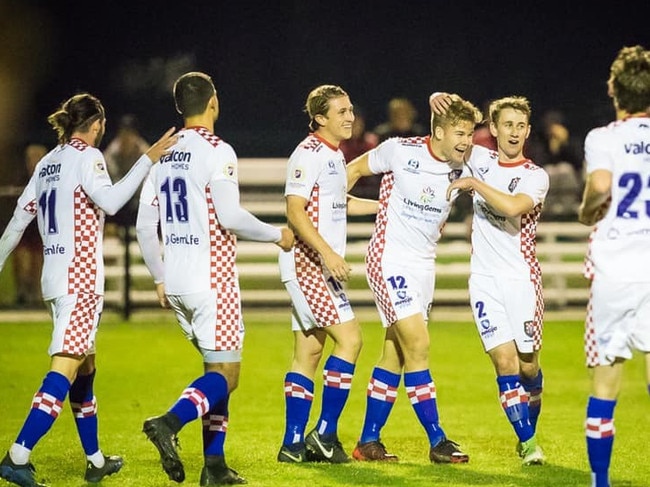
[144, 365]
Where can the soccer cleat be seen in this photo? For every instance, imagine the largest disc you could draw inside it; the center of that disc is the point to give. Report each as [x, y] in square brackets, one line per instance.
[112, 465]
[373, 451]
[289, 455]
[22, 475]
[447, 451]
[166, 441]
[324, 451]
[216, 472]
[531, 453]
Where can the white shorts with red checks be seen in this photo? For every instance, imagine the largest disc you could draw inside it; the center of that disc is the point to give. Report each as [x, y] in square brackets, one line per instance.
[318, 306]
[400, 292]
[507, 310]
[76, 319]
[212, 321]
[618, 321]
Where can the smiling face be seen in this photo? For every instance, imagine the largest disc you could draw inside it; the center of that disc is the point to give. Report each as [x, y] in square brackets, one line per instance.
[336, 124]
[511, 129]
[452, 141]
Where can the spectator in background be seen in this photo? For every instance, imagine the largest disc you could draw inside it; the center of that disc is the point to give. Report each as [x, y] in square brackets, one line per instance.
[360, 143]
[560, 154]
[402, 121]
[28, 255]
[120, 154]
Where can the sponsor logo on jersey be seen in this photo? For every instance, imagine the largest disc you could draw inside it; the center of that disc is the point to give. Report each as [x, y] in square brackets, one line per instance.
[490, 215]
[331, 165]
[529, 328]
[229, 170]
[339, 206]
[100, 167]
[176, 156]
[49, 170]
[421, 206]
[187, 239]
[637, 148]
[54, 249]
[513, 184]
[297, 174]
[427, 195]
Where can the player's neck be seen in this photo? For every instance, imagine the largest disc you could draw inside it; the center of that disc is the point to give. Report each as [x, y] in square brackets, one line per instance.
[204, 120]
[87, 137]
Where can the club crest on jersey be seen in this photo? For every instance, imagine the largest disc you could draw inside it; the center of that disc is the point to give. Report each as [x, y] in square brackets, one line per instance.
[529, 328]
[427, 195]
[331, 165]
[229, 170]
[297, 174]
[513, 184]
[100, 166]
[454, 174]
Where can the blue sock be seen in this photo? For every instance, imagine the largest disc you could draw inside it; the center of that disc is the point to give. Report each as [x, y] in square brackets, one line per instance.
[534, 388]
[337, 379]
[514, 402]
[215, 425]
[84, 410]
[298, 397]
[197, 399]
[381, 395]
[422, 392]
[46, 406]
[600, 438]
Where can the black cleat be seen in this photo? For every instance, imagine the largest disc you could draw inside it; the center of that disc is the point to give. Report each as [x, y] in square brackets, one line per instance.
[447, 451]
[112, 465]
[166, 441]
[319, 450]
[216, 472]
[293, 454]
[22, 475]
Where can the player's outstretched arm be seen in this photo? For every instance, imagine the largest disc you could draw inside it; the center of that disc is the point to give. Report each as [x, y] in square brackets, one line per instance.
[13, 233]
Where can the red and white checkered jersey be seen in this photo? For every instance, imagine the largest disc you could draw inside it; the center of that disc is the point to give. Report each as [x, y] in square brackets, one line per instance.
[619, 246]
[316, 172]
[199, 253]
[413, 205]
[60, 193]
[501, 245]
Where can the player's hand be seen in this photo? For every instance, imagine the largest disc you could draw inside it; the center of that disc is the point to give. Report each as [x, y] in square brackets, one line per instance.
[337, 266]
[162, 297]
[461, 184]
[287, 239]
[162, 145]
[439, 102]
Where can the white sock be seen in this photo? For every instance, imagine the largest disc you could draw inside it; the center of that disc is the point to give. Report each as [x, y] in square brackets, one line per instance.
[97, 459]
[19, 454]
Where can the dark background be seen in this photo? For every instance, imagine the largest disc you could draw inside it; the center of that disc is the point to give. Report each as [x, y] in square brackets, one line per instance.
[265, 56]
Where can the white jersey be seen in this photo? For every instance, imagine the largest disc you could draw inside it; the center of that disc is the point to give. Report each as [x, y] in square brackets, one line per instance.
[413, 204]
[66, 192]
[199, 253]
[506, 246]
[619, 248]
[316, 171]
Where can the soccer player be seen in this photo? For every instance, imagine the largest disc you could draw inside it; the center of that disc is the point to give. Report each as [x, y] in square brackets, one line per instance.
[400, 268]
[313, 274]
[69, 192]
[616, 199]
[505, 284]
[193, 196]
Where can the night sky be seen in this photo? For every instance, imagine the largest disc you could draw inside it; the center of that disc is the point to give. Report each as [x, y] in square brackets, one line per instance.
[265, 56]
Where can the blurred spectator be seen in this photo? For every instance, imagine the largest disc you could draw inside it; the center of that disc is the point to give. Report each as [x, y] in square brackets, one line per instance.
[28, 255]
[560, 154]
[402, 121]
[120, 154]
[360, 143]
